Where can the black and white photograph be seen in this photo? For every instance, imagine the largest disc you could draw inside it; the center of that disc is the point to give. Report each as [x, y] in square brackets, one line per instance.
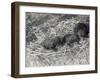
[56, 39]
[52, 39]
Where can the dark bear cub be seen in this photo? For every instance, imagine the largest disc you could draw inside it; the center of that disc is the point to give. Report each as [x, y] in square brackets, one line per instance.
[82, 30]
[52, 43]
[70, 39]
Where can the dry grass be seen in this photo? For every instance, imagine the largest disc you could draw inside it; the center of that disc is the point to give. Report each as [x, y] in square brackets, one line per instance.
[51, 25]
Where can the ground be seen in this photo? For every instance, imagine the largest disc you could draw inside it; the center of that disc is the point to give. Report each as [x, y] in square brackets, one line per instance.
[40, 26]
